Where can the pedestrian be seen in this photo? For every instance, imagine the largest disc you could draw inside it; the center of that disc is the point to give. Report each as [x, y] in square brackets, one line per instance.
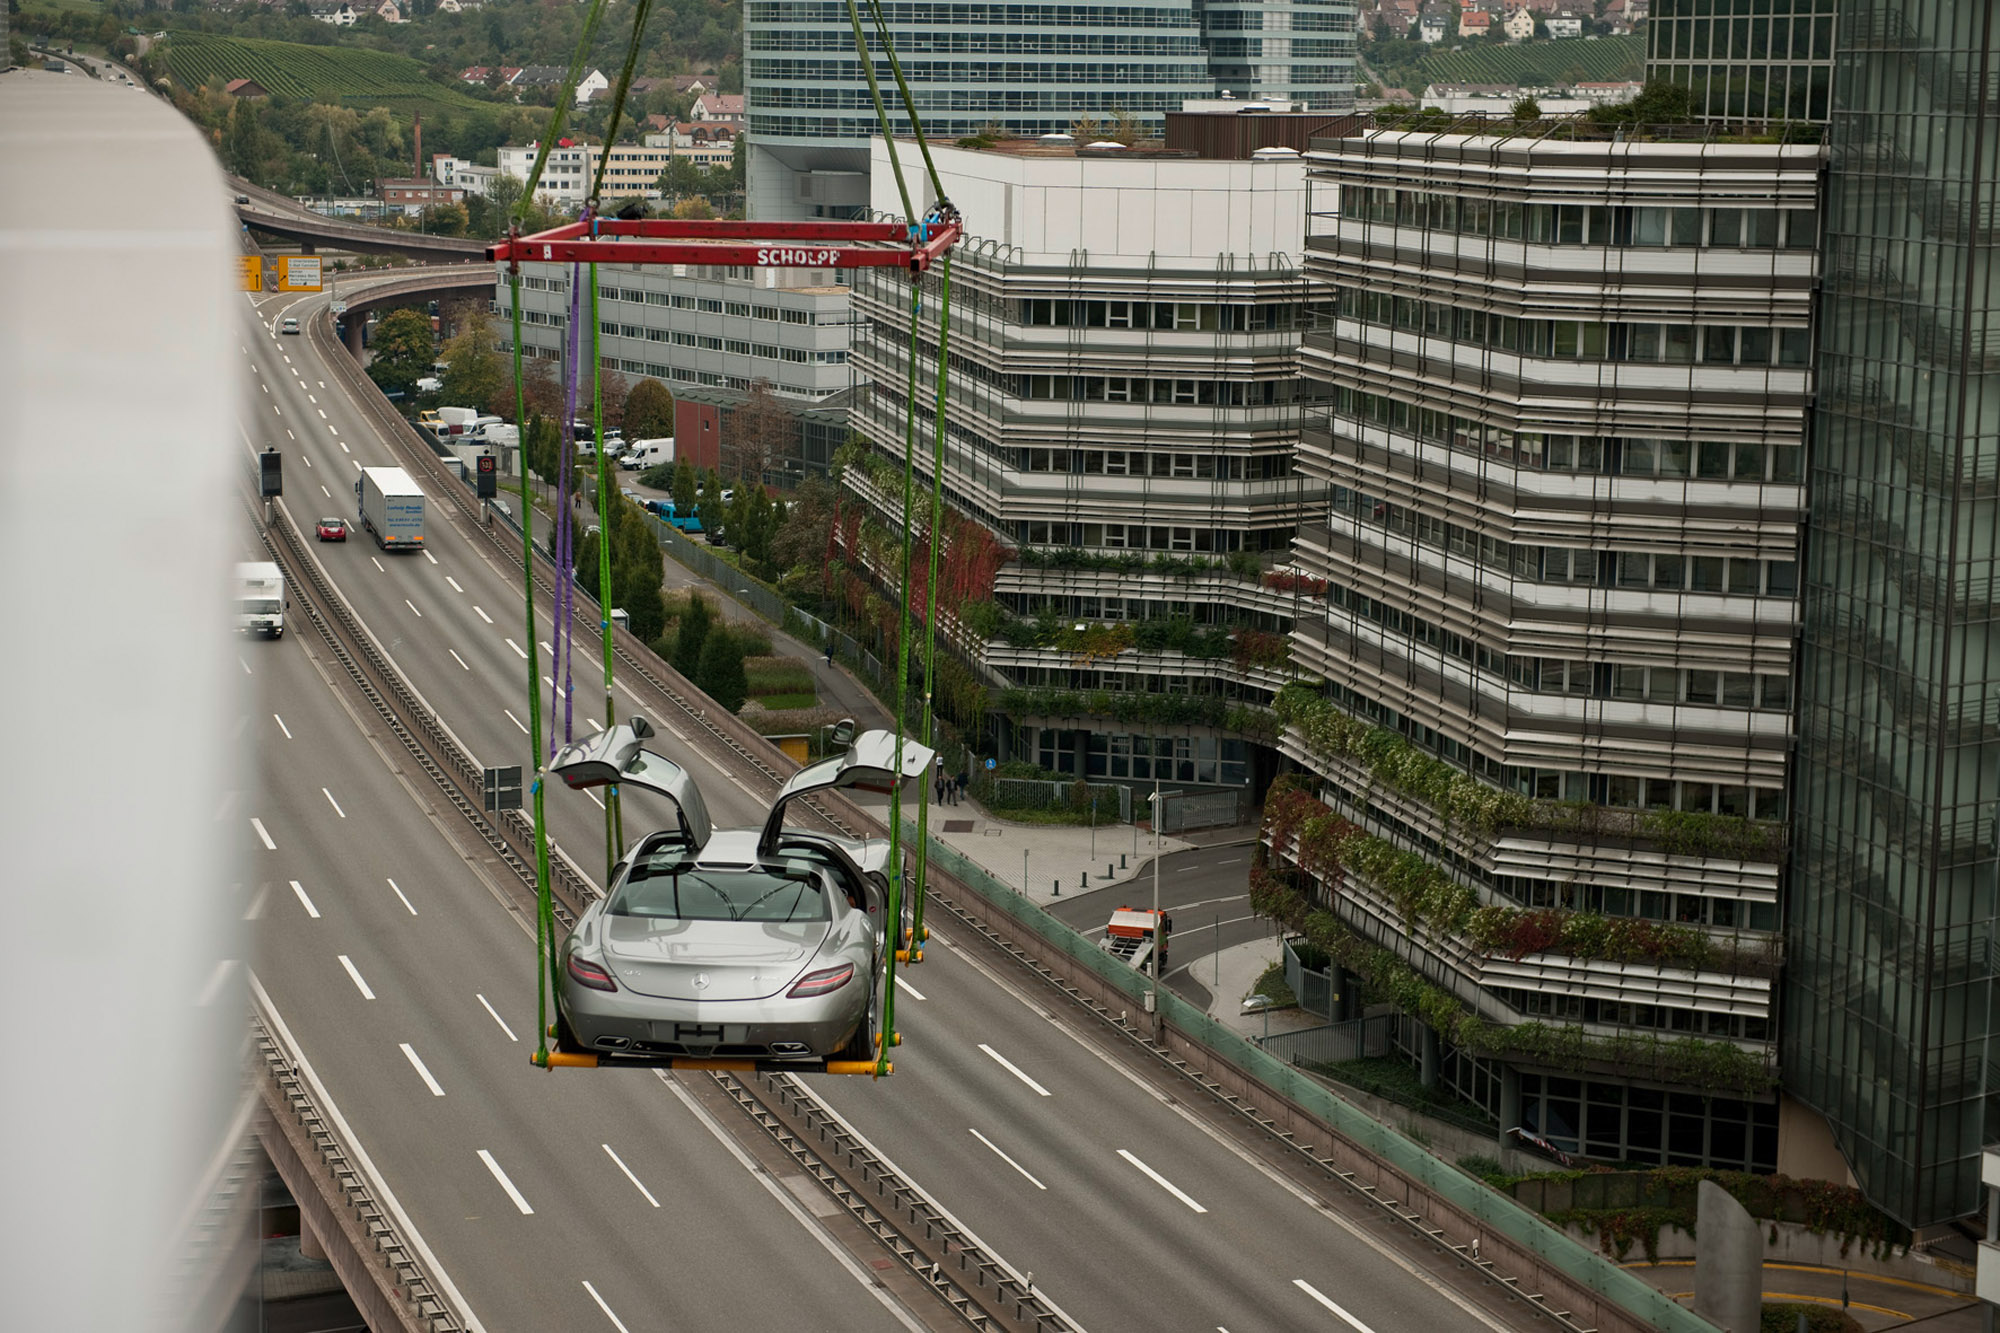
[938, 783]
[829, 650]
[959, 781]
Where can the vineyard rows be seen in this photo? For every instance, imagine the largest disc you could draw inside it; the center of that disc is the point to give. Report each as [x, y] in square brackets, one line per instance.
[1533, 64]
[291, 70]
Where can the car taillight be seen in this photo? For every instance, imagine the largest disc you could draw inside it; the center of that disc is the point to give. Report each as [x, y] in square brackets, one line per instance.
[820, 983]
[586, 973]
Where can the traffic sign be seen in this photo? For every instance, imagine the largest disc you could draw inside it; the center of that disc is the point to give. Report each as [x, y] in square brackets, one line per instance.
[251, 277]
[991, 765]
[298, 273]
[503, 788]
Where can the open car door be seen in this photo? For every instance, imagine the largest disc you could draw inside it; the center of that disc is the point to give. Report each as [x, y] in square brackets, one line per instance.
[618, 757]
[871, 763]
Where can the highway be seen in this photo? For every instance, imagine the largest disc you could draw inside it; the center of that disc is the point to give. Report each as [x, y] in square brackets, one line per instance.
[1041, 1135]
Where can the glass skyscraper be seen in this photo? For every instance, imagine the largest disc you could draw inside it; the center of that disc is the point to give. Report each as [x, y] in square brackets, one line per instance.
[1758, 60]
[1890, 1005]
[1030, 69]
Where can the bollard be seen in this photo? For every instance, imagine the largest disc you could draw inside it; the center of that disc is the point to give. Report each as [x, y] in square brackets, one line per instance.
[1108, 872]
[1121, 860]
[1057, 890]
[1085, 878]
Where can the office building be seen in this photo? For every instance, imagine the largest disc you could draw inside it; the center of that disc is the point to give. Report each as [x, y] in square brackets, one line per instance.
[1028, 69]
[1890, 936]
[1122, 418]
[1566, 398]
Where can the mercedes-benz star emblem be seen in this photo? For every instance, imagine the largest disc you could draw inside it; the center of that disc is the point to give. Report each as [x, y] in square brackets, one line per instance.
[701, 981]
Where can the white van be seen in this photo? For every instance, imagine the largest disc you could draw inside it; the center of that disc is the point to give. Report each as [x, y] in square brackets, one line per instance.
[642, 454]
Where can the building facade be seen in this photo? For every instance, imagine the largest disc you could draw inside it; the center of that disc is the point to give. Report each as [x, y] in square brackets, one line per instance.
[1774, 65]
[709, 334]
[1121, 413]
[633, 173]
[1892, 923]
[1030, 69]
[1568, 387]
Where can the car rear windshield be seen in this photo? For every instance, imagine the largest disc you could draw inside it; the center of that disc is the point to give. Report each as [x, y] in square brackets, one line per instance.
[672, 888]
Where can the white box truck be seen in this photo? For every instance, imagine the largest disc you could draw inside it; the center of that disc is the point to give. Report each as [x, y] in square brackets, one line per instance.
[260, 600]
[392, 508]
[642, 454]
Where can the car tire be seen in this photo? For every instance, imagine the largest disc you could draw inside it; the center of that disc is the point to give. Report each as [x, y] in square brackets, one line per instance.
[565, 1034]
[861, 1046]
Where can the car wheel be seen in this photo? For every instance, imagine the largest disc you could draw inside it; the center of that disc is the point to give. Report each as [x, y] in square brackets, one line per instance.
[565, 1034]
[861, 1046]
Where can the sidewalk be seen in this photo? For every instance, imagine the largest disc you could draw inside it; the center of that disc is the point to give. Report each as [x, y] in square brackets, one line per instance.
[1240, 966]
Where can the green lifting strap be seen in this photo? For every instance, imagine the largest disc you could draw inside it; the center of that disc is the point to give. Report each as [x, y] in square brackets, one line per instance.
[547, 965]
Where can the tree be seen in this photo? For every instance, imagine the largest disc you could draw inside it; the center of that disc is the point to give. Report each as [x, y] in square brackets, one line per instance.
[1527, 110]
[444, 220]
[697, 209]
[720, 675]
[690, 636]
[757, 434]
[649, 411]
[805, 534]
[685, 489]
[474, 375]
[403, 350]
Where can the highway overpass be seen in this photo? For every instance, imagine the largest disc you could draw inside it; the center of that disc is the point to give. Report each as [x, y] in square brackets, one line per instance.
[272, 214]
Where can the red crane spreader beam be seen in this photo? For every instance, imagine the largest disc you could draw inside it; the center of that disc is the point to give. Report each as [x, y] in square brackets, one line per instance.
[735, 244]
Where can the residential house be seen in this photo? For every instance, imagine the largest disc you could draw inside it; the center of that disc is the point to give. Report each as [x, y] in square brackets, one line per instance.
[416, 194]
[725, 107]
[1567, 25]
[1519, 25]
[1433, 25]
[245, 88]
[336, 12]
[1474, 23]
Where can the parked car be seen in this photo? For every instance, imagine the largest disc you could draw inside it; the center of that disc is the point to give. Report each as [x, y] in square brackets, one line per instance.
[331, 529]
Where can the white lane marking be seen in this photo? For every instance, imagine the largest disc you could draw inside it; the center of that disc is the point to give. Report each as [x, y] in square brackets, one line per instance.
[336, 430]
[246, 667]
[1162, 1181]
[281, 726]
[423, 1073]
[288, 360]
[377, 563]
[496, 1018]
[488, 619]
[327, 493]
[595, 725]
[322, 411]
[616, 1322]
[279, 410]
[335, 804]
[629, 1176]
[428, 556]
[309, 397]
[456, 658]
[593, 796]
[300, 889]
[545, 648]
[354, 972]
[256, 907]
[399, 894]
[549, 681]
[1232, 861]
[518, 652]
[345, 450]
[216, 979]
[866, 1278]
[1013, 1069]
[258, 824]
[904, 987]
[1314, 1292]
[413, 606]
[1005, 1158]
[505, 1183]
[265, 387]
[449, 579]
[510, 717]
[290, 436]
[355, 461]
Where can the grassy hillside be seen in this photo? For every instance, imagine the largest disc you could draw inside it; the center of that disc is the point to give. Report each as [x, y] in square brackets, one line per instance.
[353, 78]
[1573, 61]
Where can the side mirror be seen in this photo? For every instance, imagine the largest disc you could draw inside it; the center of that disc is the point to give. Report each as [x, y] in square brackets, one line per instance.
[641, 727]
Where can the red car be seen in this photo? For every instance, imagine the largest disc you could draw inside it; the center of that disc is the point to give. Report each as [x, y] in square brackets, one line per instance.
[332, 530]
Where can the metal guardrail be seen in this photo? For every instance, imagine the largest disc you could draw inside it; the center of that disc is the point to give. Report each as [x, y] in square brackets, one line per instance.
[403, 1282]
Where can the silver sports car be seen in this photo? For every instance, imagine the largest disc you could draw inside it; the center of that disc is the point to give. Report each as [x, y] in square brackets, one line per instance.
[741, 944]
